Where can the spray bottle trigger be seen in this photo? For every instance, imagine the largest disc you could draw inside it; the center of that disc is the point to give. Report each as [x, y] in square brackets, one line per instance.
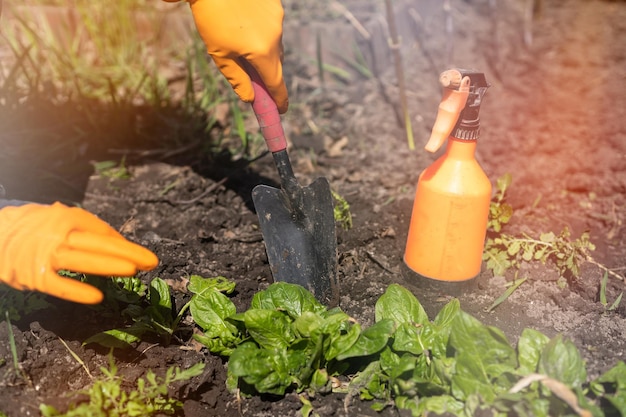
[452, 104]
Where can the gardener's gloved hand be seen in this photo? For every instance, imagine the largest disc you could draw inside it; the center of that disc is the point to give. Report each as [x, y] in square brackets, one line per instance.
[249, 29]
[38, 240]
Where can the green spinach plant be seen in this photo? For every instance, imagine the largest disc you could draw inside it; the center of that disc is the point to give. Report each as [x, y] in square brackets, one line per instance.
[286, 340]
[452, 364]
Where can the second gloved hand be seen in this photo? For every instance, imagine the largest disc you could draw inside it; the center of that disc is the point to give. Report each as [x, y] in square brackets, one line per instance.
[248, 29]
[36, 241]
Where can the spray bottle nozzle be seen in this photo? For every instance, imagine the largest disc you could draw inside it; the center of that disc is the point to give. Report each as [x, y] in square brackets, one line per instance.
[463, 91]
[468, 126]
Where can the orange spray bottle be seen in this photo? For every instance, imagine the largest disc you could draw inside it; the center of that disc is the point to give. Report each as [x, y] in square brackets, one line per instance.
[451, 208]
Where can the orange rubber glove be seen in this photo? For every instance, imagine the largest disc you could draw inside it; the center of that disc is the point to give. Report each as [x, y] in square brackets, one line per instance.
[249, 29]
[36, 241]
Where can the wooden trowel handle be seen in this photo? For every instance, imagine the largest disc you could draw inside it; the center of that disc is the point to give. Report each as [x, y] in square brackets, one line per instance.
[266, 112]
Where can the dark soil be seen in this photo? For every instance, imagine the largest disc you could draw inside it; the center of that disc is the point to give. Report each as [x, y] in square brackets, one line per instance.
[554, 118]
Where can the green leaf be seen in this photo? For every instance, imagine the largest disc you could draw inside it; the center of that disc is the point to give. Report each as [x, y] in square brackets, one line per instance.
[184, 374]
[268, 371]
[514, 248]
[440, 404]
[483, 354]
[271, 329]
[612, 385]
[198, 285]
[400, 305]
[119, 338]
[503, 182]
[320, 381]
[540, 254]
[371, 340]
[370, 382]
[407, 339]
[307, 407]
[291, 298]
[507, 293]
[161, 300]
[211, 301]
[506, 212]
[446, 315]
[308, 324]
[497, 260]
[603, 289]
[528, 253]
[529, 347]
[210, 311]
[339, 335]
[616, 303]
[561, 360]
[388, 360]
[470, 378]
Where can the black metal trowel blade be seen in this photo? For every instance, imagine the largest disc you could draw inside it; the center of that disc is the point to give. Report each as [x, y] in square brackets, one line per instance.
[300, 241]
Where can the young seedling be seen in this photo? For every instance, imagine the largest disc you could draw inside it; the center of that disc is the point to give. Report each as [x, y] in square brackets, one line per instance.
[107, 398]
[13, 347]
[341, 211]
[503, 251]
[603, 299]
[156, 318]
[111, 169]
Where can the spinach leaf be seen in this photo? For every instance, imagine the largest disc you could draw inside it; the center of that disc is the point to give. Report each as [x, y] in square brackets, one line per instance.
[561, 360]
[611, 388]
[529, 348]
[160, 302]
[371, 340]
[482, 355]
[210, 311]
[400, 305]
[271, 329]
[291, 298]
[267, 371]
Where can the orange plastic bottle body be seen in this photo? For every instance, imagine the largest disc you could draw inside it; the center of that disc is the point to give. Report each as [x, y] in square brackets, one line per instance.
[450, 213]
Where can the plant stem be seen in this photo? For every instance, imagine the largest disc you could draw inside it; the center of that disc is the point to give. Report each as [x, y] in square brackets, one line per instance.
[394, 44]
[592, 261]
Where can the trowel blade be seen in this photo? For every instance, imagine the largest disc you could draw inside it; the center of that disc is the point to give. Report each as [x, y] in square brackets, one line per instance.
[300, 242]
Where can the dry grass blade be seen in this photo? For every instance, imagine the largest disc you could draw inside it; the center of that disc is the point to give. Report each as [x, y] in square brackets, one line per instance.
[76, 358]
[559, 389]
[394, 45]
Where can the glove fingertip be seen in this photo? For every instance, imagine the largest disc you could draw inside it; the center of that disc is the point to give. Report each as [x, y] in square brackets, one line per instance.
[148, 262]
[93, 297]
[82, 293]
[244, 91]
[283, 105]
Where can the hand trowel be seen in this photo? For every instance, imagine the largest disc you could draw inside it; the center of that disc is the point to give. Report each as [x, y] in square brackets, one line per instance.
[297, 222]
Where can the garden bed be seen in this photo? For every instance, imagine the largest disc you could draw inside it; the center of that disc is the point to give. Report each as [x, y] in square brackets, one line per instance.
[553, 118]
